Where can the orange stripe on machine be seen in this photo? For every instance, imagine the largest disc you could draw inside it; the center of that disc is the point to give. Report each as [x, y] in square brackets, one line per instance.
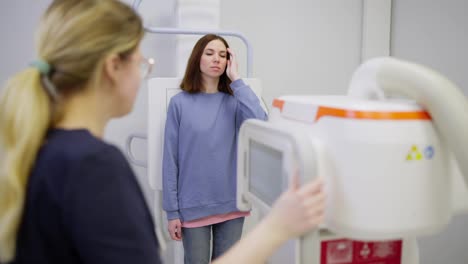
[324, 111]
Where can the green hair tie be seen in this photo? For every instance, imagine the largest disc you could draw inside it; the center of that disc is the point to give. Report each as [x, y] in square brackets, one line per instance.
[43, 67]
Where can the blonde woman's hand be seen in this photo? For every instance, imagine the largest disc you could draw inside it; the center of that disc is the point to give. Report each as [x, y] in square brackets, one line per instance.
[298, 210]
[232, 66]
[175, 229]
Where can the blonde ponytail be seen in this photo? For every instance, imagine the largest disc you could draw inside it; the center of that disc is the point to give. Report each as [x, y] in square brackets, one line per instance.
[24, 120]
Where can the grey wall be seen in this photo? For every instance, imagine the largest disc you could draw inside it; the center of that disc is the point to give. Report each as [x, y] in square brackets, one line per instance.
[18, 20]
[434, 33]
[300, 47]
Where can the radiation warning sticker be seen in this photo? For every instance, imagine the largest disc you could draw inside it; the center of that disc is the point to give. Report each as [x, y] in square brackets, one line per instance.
[346, 251]
[414, 153]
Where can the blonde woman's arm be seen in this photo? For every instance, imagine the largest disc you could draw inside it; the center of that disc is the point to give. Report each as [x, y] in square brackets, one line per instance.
[296, 212]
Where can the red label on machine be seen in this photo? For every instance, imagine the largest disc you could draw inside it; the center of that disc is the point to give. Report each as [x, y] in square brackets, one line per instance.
[345, 251]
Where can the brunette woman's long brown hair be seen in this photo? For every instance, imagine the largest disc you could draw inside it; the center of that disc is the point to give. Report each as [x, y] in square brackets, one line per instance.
[192, 81]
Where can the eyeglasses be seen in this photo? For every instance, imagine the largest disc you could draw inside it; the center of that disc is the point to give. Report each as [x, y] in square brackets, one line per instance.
[146, 66]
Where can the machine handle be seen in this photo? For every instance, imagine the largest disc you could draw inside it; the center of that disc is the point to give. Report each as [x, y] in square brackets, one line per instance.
[161, 235]
[128, 149]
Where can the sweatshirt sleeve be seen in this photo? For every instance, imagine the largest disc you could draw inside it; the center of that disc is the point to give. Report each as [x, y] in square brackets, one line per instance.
[105, 213]
[248, 103]
[171, 163]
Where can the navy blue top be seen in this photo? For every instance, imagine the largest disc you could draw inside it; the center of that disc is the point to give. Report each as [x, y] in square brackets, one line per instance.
[83, 205]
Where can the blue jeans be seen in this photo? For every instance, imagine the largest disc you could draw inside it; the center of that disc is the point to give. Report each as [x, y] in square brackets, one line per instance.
[197, 241]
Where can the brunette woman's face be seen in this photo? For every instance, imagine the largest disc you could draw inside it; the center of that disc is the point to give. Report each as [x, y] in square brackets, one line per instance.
[214, 59]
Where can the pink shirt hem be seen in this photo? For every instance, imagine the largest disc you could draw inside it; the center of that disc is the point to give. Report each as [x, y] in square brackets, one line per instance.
[214, 219]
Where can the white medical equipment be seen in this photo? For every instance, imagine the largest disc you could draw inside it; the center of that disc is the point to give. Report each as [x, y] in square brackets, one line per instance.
[290, 142]
[393, 167]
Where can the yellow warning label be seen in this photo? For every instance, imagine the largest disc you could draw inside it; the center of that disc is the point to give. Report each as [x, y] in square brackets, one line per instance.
[414, 154]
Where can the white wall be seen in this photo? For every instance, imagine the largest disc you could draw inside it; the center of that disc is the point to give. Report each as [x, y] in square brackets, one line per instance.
[300, 47]
[434, 33]
[18, 20]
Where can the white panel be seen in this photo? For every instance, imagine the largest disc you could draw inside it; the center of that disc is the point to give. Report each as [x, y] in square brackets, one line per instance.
[118, 129]
[160, 92]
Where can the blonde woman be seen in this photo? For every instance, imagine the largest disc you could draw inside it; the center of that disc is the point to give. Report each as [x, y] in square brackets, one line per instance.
[66, 196]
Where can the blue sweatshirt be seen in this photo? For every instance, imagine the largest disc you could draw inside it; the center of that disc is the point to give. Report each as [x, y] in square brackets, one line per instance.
[84, 205]
[200, 151]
